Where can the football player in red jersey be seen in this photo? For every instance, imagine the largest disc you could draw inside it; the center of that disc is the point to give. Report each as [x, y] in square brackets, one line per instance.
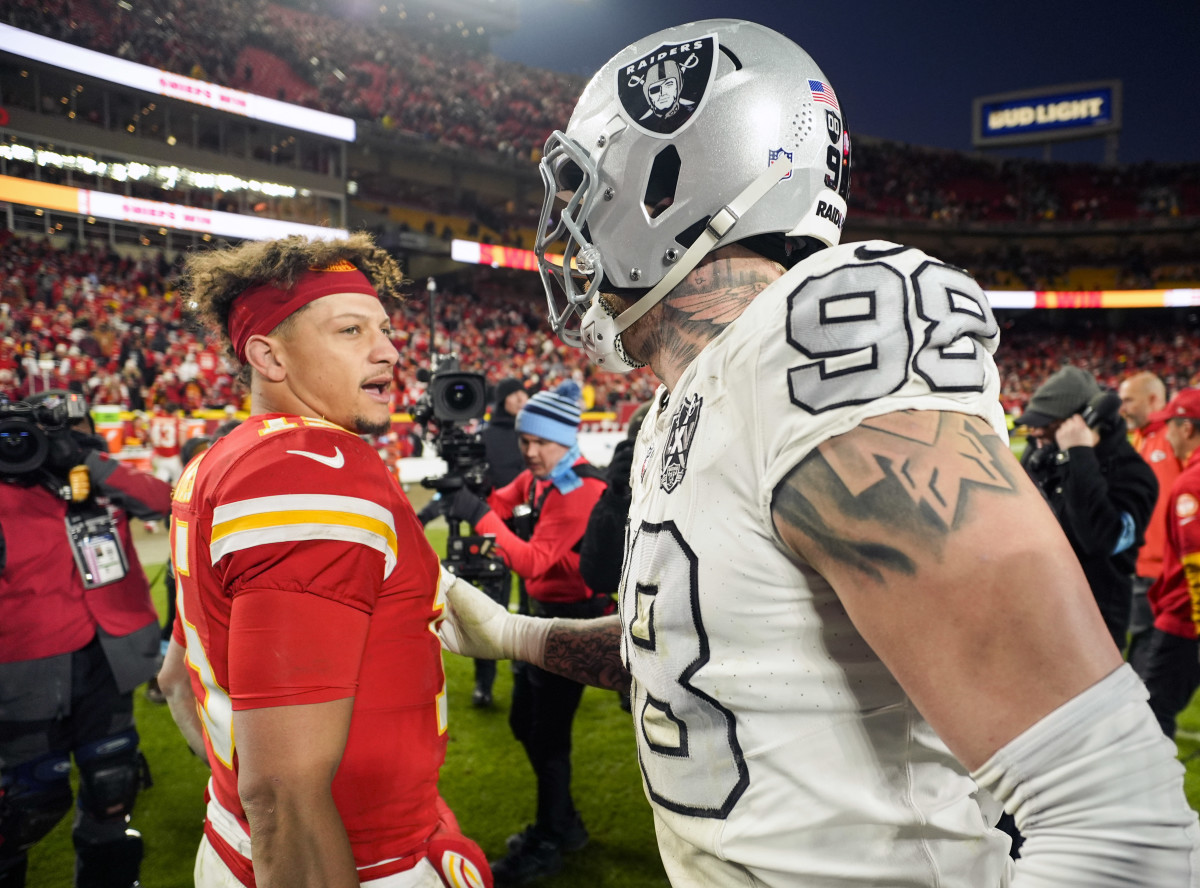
[303, 665]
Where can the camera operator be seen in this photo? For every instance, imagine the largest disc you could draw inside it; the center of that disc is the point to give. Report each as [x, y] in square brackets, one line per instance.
[560, 488]
[79, 633]
[1100, 489]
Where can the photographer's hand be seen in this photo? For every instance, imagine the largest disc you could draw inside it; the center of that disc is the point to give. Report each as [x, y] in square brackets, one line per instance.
[1074, 432]
[473, 625]
[466, 506]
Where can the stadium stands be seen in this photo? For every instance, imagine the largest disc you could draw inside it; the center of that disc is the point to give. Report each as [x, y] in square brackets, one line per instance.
[409, 79]
[113, 326]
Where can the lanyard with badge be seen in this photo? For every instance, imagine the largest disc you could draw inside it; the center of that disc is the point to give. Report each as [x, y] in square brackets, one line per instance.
[96, 544]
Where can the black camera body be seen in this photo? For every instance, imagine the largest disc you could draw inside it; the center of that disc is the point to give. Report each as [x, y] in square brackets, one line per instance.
[455, 397]
[35, 438]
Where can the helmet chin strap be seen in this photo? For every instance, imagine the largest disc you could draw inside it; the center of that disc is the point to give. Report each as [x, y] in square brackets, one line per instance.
[718, 226]
[600, 331]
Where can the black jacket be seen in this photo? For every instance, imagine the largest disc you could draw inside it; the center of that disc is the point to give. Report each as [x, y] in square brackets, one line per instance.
[1090, 489]
[603, 546]
[502, 450]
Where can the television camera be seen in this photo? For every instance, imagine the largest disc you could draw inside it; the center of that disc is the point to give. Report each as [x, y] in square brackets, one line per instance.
[453, 399]
[35, 438]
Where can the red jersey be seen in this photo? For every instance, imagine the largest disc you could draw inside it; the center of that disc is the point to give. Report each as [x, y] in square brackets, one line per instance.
[303, 577]
[1151, 442]
[1175, 595]
[164, 434]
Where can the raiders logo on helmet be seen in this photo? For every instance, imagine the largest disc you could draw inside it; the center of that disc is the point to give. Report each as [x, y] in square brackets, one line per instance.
[662, 91]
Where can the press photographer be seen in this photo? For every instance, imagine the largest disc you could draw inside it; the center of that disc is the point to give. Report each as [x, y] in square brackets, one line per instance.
[1101, 491]
[78, 634]
[556, 492]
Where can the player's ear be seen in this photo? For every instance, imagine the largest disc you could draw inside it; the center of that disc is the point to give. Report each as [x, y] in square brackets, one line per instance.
[264, 355]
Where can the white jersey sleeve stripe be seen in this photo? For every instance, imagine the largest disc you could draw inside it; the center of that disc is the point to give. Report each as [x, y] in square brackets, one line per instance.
[240, 540]
[235, 540]
[303, 502]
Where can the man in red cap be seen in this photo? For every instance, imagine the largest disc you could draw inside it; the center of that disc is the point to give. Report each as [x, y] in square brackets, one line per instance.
[303, 665]
[1169, 666]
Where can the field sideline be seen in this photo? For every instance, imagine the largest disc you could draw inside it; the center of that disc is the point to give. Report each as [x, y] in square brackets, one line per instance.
[486, 780]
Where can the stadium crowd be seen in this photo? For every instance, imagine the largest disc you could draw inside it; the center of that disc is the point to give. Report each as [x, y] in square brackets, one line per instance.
[410, 76]
[113, 326]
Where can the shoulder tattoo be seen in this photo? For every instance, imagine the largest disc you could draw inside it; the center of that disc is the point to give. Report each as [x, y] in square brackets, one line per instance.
[894, 489]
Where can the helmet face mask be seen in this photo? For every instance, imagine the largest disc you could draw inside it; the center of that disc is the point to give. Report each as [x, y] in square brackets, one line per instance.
[667, 135]
[565, 160]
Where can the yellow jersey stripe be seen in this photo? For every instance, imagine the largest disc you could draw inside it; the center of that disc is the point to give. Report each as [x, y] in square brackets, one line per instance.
[248, 538]
[294, 502]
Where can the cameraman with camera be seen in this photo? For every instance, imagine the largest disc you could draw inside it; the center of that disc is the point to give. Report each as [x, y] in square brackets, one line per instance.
[555, 494]
[1100, 489]
[78, 634]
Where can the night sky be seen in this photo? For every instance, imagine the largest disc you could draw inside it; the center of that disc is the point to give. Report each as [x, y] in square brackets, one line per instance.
[909, 70]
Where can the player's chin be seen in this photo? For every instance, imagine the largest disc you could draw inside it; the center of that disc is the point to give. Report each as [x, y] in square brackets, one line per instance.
[372, 418]
[371, 425]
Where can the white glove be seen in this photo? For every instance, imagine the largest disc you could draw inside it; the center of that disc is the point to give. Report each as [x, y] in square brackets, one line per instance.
[473, 625]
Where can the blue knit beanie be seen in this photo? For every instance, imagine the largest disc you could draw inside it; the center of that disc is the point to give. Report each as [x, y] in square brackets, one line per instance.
[550, 416]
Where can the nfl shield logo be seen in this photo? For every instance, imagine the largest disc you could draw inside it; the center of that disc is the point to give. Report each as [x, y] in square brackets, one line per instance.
[679, 443]
[773, 154]
[662, 91]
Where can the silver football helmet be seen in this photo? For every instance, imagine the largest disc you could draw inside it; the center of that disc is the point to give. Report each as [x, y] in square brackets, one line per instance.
[690, 139]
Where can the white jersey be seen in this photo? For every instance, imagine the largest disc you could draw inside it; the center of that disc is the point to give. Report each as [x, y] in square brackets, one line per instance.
[776, 749]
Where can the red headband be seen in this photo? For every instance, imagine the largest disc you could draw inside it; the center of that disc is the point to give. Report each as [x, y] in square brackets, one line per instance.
[260, 309]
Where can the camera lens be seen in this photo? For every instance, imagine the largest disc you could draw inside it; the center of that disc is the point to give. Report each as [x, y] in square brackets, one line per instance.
[23, 447]
[460, 397]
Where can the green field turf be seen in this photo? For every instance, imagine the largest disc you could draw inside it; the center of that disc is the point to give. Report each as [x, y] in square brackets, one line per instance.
[486, 780]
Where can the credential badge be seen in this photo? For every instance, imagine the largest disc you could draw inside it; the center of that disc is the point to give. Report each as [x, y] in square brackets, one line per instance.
[679, 443]
[662, 91]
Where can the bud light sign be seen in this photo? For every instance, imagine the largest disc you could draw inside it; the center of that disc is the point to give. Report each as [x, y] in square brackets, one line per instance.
[1066, 112]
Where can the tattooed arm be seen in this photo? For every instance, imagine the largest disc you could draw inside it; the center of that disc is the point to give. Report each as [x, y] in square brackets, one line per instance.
[953, 569]
[587, 651]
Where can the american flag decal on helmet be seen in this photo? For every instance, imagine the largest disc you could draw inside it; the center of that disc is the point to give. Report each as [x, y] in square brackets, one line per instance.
[823, 93]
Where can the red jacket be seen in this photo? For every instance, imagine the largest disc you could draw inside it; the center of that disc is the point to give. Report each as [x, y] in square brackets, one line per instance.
[549, 561]
[1151, 442]
[1175, 595]
[44, 609]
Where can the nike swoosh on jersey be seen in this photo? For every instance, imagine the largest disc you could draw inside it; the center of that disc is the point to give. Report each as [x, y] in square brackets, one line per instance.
[334, 462]
[866, 254]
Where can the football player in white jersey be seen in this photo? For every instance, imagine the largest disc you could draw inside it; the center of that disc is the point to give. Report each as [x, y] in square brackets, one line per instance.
[854, 629]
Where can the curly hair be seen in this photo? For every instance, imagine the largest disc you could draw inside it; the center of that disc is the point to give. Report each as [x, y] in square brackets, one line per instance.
[213, 280]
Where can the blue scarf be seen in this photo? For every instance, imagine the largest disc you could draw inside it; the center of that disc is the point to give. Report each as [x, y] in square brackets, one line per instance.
[562, 476]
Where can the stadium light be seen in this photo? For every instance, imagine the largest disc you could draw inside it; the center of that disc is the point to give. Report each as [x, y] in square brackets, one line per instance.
[25, 44]
[103, 205]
